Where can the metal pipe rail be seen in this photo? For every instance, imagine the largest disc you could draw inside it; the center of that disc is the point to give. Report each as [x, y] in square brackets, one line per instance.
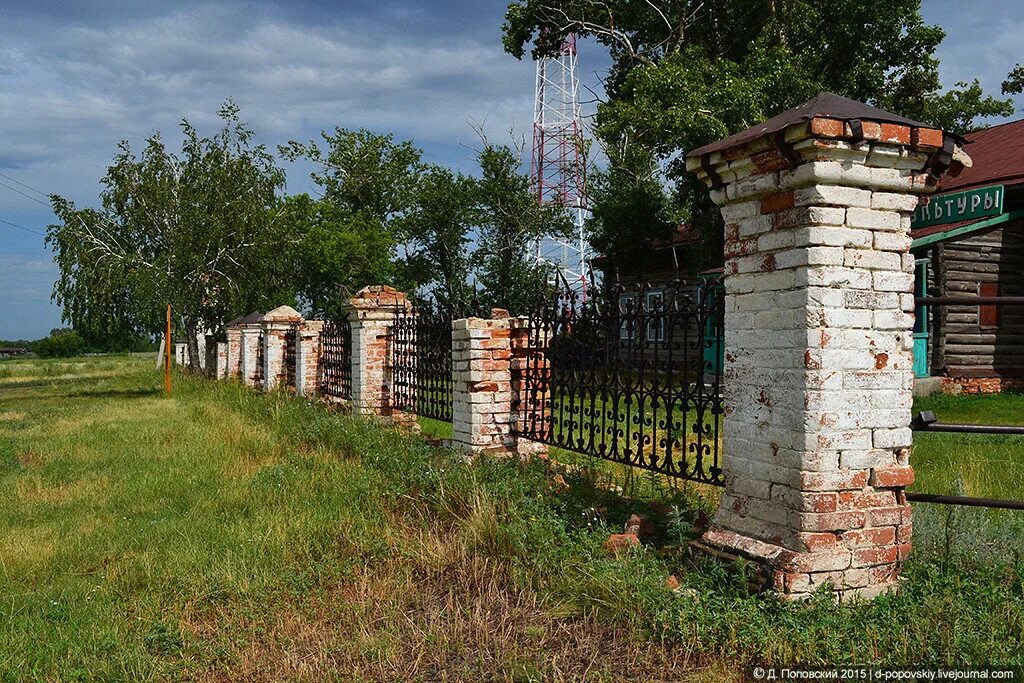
[927, 422]
[969, 300]
[965, 500]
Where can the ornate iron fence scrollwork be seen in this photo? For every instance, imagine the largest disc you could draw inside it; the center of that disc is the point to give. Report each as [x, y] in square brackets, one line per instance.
[290, 353]
[631, 374]
[334, 370]
[421, 362]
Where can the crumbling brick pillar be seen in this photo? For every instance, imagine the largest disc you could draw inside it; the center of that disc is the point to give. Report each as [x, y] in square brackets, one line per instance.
[277, 324]
[530, 371]
[372, 315]
[818, 341]
[250, 340]
[234, 362]
[307, 358]
[481, 385]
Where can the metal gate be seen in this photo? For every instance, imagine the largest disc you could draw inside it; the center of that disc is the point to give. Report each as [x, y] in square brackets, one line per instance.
[421, 362]
[631, 374]
[334, 370]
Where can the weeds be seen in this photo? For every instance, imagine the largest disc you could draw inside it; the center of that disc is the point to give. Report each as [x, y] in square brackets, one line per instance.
[239, 536]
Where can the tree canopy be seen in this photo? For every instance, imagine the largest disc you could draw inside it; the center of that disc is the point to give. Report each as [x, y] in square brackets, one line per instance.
[511, 224]
[688, 72]
[438, 229]
[350, 234]
[200, 230]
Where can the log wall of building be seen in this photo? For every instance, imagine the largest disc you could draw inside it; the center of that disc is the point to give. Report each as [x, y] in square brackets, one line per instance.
[970, 349]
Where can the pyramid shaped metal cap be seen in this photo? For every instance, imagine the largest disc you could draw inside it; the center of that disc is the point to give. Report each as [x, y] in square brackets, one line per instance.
[282, 314]
[827, 105]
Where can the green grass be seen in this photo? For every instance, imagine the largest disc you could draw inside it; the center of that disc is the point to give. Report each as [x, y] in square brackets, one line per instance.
[983, 465]
[227, 535]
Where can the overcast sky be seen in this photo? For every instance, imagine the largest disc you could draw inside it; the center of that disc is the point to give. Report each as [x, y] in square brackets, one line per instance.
[77, 77]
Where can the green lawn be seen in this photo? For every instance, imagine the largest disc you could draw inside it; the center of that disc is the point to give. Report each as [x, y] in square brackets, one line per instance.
[983, 465]
[225, 535]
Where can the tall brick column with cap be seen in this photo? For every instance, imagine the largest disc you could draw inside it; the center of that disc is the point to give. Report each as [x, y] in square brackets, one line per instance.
[307, 358]
[250, 352]
[233, 330]
[276, 325]
[372, 315]
[818, 340]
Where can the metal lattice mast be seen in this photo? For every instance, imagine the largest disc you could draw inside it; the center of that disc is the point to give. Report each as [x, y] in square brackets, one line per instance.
[558, 171]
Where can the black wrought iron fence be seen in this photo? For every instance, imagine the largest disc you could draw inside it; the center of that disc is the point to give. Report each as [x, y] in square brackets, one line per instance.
[334, 369]
[421, 361]
[257, 375]
[632, 374]
[289, 356]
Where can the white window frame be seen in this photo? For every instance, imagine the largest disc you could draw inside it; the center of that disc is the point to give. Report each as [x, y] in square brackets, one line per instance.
[625, 304]
[654, 301]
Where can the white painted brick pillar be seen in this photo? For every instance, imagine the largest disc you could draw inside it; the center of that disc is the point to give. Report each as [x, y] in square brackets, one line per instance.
[234, 351]
[372, 316]
[249, 343]
[818, 349]
[201, 356]
[221, 366]
[307, 358]
[276, 326]
[482, 385]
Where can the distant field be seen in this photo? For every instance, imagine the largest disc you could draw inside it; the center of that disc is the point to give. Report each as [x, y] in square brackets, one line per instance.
[224, 535]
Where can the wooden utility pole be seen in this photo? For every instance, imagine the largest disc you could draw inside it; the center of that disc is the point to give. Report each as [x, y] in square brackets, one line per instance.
[167, 356]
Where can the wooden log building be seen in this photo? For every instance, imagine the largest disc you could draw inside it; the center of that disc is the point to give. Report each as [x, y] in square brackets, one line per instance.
[969, 241]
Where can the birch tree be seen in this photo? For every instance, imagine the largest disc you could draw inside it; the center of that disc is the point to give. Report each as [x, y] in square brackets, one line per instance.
[200, 230]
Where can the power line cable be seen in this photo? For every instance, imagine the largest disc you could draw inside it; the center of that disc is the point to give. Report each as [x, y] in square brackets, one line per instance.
[22, 227]
[25, 185]
[23, 194]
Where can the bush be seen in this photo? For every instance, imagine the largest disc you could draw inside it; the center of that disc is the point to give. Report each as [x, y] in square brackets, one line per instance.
[60, 344]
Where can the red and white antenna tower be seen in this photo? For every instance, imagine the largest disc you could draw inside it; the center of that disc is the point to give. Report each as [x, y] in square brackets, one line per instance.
[558, 172]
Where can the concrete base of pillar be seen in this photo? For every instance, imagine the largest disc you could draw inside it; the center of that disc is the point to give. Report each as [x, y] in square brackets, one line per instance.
[926, 386]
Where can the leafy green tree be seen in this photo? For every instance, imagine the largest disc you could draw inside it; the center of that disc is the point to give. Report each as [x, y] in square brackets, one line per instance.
[511, 222]
[201, 230]
[62, 343]
[630, 192]
[349, 236]
[688, 72]
[1014, 83]
[437, 230]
